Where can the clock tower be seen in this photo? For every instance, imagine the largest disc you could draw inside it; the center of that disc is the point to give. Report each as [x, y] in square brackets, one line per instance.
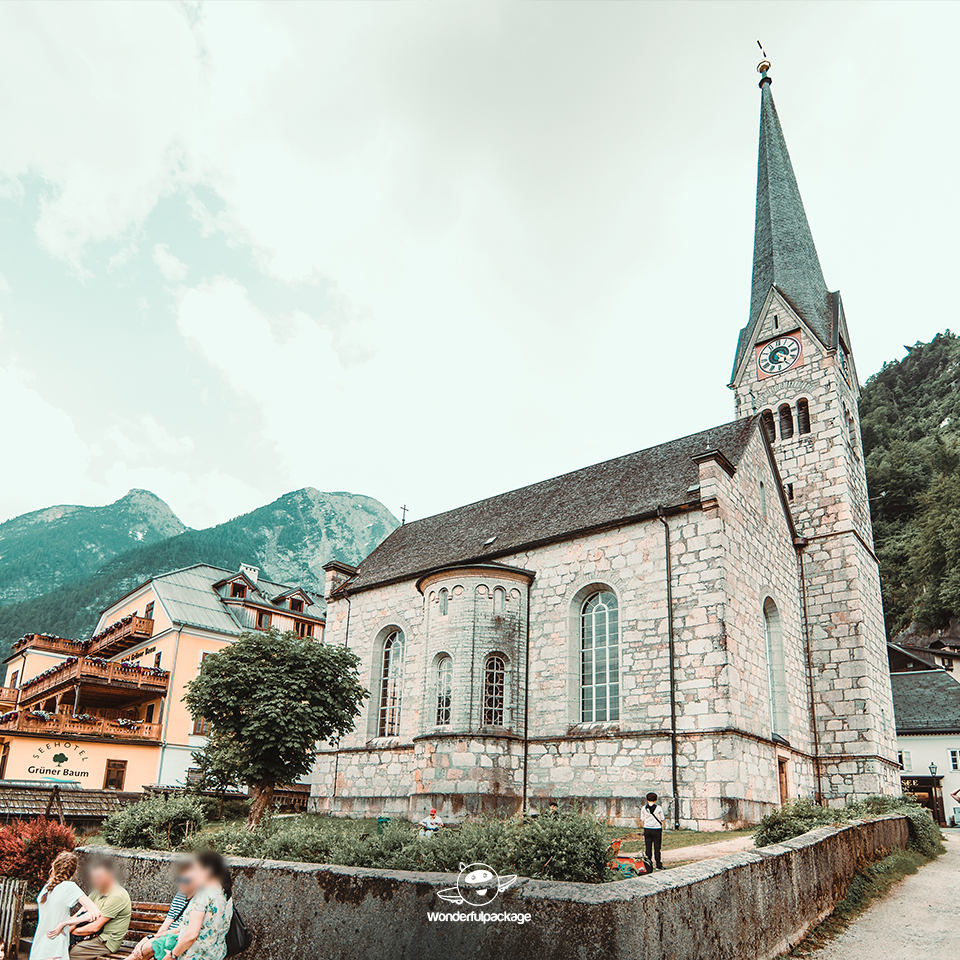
[794, 367]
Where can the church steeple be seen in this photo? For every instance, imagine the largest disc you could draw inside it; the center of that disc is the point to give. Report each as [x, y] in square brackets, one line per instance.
[784, 254]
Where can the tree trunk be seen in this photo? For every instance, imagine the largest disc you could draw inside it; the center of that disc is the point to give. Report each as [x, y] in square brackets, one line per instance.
[262, 802]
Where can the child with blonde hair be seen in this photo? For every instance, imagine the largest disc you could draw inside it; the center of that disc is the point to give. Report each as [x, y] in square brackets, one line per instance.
[57, 898]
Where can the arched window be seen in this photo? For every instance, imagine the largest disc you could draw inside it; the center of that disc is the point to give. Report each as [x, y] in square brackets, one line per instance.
[494, 684]
[786, 421]
[391, 686]
[763, 500]
[769, 427]
[803, 416]
[599, 658]
[444, 690]
[776, 669]
[498, 594]
[444, 602]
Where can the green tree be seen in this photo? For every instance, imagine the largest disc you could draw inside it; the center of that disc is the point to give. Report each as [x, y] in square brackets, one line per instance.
[270, 699]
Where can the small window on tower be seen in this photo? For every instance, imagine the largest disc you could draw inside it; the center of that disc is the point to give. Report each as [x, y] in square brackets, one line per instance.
[803, 416]
[776, 321]
[763, 500]
[769, 427]
[786, 422]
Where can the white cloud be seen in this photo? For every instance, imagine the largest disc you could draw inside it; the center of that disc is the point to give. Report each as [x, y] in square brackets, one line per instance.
[45, 460]
[169, 266]
[147, 439]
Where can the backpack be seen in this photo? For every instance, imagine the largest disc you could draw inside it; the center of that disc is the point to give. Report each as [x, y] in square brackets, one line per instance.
[238, 937]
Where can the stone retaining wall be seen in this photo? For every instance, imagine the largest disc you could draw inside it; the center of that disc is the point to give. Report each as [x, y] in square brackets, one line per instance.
[749, 905]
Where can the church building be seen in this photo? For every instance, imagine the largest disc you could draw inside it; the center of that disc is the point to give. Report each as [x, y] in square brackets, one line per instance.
[702, 618]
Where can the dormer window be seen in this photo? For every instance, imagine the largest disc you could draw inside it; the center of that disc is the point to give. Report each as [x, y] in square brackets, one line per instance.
[296, 605]
[238, 590]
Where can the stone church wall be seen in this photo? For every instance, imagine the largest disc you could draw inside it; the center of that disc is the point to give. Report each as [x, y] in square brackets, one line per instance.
[727, 558]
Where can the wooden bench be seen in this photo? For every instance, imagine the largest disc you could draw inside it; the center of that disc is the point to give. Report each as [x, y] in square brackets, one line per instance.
[145, 920]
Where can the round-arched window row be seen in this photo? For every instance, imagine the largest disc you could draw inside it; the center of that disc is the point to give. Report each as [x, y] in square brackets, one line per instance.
[599, 658]
[785, 416]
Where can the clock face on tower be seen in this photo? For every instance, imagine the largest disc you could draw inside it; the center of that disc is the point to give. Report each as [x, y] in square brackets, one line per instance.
[778, 355]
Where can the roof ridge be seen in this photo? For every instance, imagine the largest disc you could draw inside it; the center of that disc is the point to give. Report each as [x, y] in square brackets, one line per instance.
[570, 473]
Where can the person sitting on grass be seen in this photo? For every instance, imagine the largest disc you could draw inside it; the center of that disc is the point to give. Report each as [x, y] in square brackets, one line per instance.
[175, 915]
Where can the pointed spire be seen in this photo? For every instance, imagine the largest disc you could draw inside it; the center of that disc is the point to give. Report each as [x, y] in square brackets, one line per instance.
[784, 254]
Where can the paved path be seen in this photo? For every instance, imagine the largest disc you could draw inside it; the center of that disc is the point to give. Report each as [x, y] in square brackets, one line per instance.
[916, 920]
[707, 851]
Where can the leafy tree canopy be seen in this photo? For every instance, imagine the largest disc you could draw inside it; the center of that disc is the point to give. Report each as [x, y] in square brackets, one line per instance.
[910, 416]
[270, 699]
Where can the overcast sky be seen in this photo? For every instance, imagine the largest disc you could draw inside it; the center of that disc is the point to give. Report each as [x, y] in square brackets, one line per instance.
[431, 252]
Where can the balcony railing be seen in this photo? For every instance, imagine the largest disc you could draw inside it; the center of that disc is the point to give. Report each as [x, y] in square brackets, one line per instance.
[8, 694]
[41, 641]
[87, 670]
[64, 725]
[120, 636]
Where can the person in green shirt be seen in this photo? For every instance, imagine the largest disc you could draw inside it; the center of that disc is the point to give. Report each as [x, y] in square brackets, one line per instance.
[105, 935]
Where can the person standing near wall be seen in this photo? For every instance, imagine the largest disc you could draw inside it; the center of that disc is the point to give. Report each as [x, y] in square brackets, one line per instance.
[651, 818]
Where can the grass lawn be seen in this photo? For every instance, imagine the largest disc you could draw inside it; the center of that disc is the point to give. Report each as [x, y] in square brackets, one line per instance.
[676, 839]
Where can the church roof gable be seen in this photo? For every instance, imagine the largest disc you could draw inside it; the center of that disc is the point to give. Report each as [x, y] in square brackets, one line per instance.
[606, 494]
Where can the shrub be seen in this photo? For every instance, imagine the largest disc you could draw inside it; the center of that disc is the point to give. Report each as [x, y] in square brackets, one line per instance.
[794, 819]
[233, 808]
[28, 848]
[567, 847]
[231, 841]
[157, 823]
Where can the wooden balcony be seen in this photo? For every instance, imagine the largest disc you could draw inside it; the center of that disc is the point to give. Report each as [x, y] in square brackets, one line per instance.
[41, 641]
[8, 695]
[120, 636]
[102, 682]
[61, 724]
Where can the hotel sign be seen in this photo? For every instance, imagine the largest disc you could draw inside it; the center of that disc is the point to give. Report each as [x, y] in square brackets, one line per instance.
[60, 758]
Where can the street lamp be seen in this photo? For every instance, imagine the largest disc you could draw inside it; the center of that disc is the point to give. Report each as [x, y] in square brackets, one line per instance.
[933, 769]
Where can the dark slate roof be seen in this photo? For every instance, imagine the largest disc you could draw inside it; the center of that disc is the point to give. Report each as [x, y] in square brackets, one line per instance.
[926, 701]
[784, 254]
[603, 495]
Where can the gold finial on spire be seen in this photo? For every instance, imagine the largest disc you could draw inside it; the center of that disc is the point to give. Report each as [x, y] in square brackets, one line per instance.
[763, 66]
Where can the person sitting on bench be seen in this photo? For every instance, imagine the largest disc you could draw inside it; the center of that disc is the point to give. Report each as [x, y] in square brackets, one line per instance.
[186, 888]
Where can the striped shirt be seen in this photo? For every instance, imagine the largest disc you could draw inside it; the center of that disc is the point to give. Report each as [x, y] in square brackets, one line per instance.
[177, 907]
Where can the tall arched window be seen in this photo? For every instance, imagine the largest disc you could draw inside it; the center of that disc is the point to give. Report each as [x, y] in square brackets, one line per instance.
[391, 685]
[763, 500]
[599, 658]
[776, 669]
[498, 596]
[494, 685]
[444, 690]
[786, 421]
[444, 602]
[769, 427]
[803, 416]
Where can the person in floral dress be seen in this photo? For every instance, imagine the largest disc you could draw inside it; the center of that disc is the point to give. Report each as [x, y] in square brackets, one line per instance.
[203, 934]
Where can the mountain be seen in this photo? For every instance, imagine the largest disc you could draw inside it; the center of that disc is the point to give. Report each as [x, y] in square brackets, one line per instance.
[910, 416]
[289, 539]
[58, 545]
